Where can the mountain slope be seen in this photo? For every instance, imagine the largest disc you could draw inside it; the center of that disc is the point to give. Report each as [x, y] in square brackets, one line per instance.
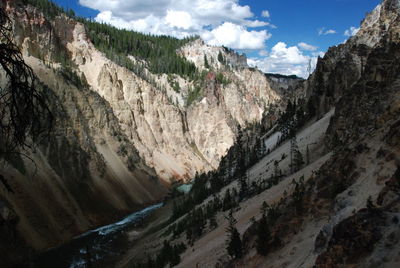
[344, 220]
[237, 96]
[341, 207]
[121, 136]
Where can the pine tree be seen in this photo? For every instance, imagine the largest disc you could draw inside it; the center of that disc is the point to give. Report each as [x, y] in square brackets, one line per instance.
[175, 212]
[263, 236]
[293, 146]
[189, 235]
[212, 222]
[220, 58]
[277, 170]
[296, 158]
[260, 149]
[175, 258]
[234, 243]
[298, 194]
[217, 203]
[264, 208]
[216, 183]
[199, 221]
[206, 62]
[300, 117]
[227, 202]
[244, 188]
[311, 111]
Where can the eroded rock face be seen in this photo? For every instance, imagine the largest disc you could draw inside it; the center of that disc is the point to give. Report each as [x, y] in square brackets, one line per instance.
[369, 96]
[198, 52]
[343, 65]
[352, 239]
[289, 87]
[118, 139]
[171, 137]
[355, 193]
[371, 102]
[176, 140]
[381, 25]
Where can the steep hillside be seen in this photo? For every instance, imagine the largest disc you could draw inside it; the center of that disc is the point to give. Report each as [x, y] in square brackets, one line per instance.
[343, 65]
[84, 174]
[124, 129]
[315, 184]
[331, 188]
[157, 112]
[337, 217]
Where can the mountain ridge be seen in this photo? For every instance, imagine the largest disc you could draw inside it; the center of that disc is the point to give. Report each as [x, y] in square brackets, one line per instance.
[119, 140]
[323, 153]
[341, 207]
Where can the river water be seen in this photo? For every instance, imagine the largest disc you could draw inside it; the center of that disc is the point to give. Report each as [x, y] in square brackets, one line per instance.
[100, 247]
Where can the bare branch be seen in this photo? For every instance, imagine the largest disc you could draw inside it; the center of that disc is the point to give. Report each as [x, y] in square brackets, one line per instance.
[23, 106]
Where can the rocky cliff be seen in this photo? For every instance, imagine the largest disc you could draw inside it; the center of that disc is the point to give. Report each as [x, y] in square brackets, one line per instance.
[347, 213]
[341, 207]
[154, 116]
[343, 65]
[118, 139]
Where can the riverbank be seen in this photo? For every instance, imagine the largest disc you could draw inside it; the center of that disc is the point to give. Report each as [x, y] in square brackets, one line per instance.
[100, 247]
[146, 241]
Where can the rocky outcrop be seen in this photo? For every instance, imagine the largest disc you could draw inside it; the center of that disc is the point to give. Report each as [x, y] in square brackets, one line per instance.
[368, 113]
[217, 57]
[83, 174]
[118, 139]
[158, 126]
[366, 104]
[171, 138]
[343, 65]
[380, 26]
[289, 87]
[371, 103]
[354, 197]
[352, 239]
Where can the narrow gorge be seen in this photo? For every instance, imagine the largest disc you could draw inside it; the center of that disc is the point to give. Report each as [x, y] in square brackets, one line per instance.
[159, 150]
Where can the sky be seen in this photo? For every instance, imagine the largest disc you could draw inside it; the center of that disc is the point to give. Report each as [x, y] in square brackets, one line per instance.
[278, 36]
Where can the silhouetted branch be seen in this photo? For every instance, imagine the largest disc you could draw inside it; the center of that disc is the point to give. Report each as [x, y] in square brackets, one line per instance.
[23, 107]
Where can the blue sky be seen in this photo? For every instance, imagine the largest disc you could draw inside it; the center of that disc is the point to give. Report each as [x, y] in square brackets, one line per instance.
[279, 36]
[299, 21]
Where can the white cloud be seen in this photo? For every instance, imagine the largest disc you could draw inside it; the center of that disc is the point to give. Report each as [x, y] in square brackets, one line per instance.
[352, 31]
[108, 17]
[256, 23]
[181, 18]
[265, 14]
[286, 60]
[286, 54]
[330, 32]
[236, 36]
[305, 46]
[323, 31]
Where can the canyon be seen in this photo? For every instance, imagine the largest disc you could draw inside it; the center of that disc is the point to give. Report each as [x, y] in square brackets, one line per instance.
[122, 139]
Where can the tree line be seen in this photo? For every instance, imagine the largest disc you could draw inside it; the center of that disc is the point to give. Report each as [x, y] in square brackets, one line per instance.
[159, 52]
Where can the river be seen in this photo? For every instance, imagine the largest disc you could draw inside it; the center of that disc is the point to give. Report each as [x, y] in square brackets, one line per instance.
[96, 248]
